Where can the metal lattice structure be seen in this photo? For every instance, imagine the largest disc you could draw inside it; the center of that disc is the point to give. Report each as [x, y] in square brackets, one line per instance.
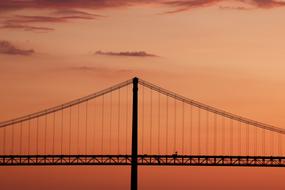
[142, 160]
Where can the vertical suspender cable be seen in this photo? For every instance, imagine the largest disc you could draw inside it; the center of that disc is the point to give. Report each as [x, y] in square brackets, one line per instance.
[37, 136]
[231, 137]
[12, 139]
[183, 127]
[175, 148]
[255, 141]
[271, 143]
[119, 111]
[150, 133]
[78, 127]
[45, 131]
[127, 118]
[140, 121]
[280, 145]
[21, 136]
[166, 140]
[223, 136]
[191, 131]
[143, 128]
[70, 123]
[4, 140]
[94, 127]
[199, 132]
[263, 142]
[53, 134]
[207, 132]
[86, 127]
[247, 139]
[102, 126]
[61, 133]
[158, 139]
[110, 122]
[29, 136]
[215, 134]
[239, 137]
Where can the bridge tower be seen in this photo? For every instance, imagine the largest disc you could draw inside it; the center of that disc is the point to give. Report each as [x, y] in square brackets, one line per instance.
[134, 164]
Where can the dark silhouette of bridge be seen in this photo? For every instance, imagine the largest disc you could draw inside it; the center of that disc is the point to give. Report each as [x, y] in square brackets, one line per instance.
[138, 123]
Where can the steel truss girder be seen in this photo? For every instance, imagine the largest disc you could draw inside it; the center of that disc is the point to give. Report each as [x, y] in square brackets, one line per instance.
[146, 160]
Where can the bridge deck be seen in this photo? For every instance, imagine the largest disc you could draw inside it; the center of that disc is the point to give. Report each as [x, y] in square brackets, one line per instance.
[153, 160]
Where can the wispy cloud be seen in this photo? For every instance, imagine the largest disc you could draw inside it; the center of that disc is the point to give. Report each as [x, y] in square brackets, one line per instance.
[44, 19]
[241, 8]
[8, 5]
[126, 53]
[26, 27]
[62, 11]
[266, 3]
[184, 5]
[38, 22]
[75, 12]
[7, 48]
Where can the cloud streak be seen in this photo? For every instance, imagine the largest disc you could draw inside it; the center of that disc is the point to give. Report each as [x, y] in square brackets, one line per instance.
[267, 3]
[184, 5]
[178, 5]
[63, 11]
[26, 27]
[8, 5]
[7, 48]
[45, 19]
[75, 12]
[35, 22]
[126, 54]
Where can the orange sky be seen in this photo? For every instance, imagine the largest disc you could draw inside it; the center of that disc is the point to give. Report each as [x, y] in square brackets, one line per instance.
[229, 54]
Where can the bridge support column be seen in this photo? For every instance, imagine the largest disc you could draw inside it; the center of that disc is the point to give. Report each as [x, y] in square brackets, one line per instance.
[134, 164]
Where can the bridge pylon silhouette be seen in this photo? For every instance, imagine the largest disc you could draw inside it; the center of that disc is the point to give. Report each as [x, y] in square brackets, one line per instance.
[136, 123]
[134, 164]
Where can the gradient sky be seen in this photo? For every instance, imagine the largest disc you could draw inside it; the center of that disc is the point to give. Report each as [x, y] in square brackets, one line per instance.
[229, 54]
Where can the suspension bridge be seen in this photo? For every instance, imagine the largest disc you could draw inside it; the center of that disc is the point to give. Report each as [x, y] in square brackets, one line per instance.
[138, 123]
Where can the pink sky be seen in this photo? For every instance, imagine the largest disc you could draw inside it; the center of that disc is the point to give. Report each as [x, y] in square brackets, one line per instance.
[229, 54]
